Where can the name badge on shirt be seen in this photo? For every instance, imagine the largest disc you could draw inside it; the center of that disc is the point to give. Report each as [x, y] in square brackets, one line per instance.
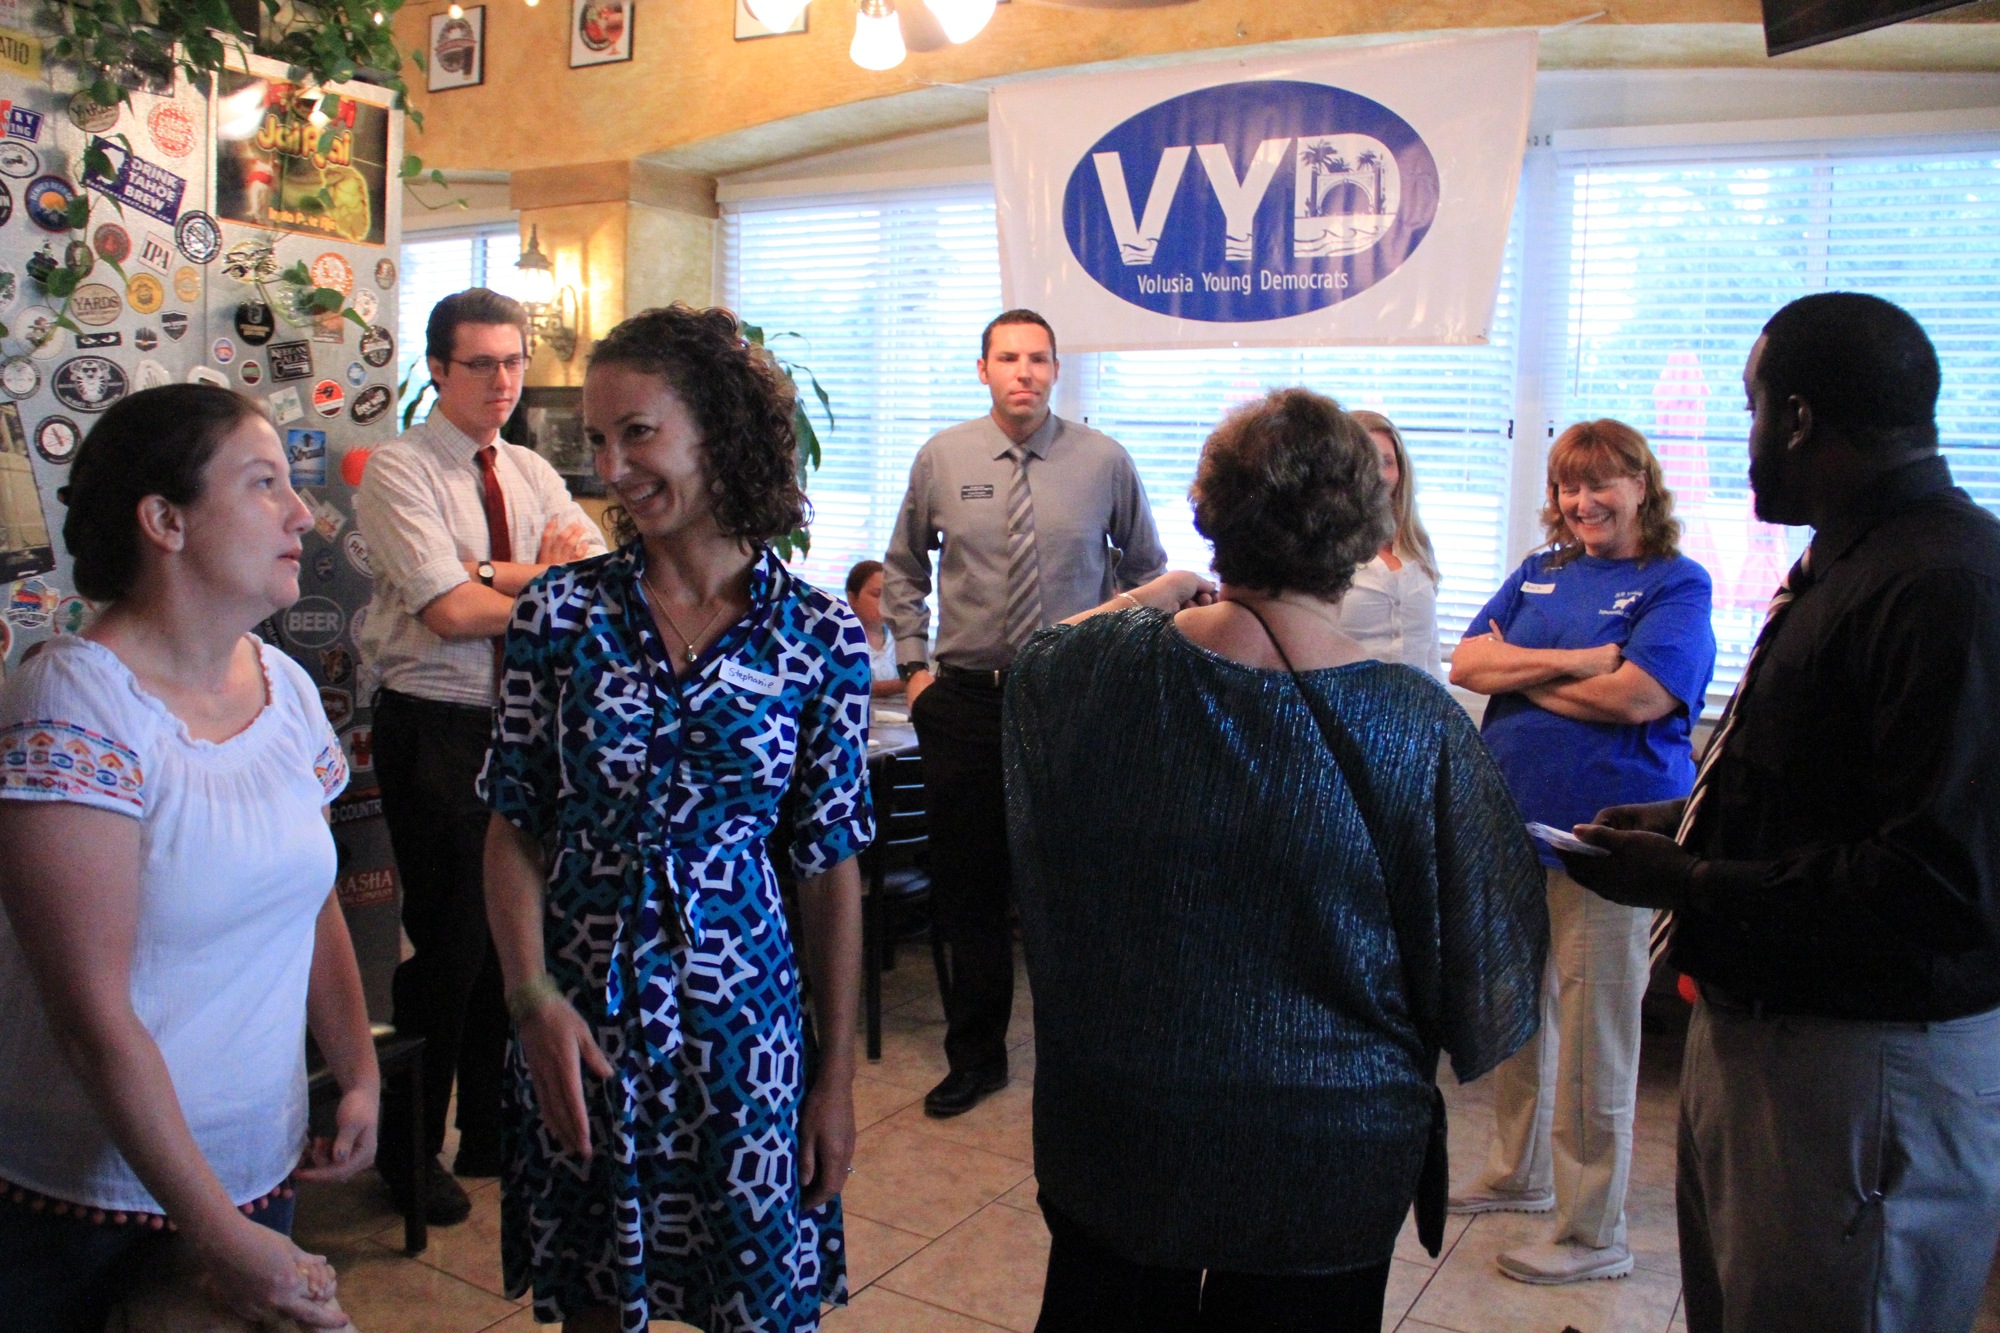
[975, 492]
[743, 678]
[1538, 587]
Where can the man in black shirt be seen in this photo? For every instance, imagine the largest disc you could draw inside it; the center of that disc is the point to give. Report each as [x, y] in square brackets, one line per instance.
[1835, 874]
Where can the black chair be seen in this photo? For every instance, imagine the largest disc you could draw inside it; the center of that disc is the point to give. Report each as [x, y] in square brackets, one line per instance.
[399, 1057]
[893, 870]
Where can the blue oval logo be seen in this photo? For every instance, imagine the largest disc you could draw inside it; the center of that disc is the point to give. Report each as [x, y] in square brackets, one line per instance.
[1251, 201]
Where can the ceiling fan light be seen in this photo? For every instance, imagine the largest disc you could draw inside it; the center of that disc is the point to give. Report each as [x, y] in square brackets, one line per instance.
[878, 38]
[777, 15]
[962, 20]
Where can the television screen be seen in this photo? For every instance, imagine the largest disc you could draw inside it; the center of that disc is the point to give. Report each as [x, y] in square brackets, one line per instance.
[1793, 25]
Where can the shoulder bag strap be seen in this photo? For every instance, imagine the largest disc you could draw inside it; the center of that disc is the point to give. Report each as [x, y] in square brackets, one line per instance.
[1434, 1179]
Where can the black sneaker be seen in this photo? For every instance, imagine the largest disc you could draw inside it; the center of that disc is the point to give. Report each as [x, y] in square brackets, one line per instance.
[445, 1200]
[962, 1090]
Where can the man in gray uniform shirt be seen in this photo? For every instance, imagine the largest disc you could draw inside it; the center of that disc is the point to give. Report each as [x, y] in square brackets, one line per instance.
[1035, 519]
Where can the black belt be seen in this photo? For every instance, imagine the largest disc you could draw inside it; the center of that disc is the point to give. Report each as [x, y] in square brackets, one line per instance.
[433, 707]
[991, 678]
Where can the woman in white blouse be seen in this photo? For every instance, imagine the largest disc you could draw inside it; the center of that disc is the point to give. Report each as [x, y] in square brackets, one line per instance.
[1391, 610]
[167, 874]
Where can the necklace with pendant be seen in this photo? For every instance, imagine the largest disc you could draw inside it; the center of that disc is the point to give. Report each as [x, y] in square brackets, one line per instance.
[660, 603]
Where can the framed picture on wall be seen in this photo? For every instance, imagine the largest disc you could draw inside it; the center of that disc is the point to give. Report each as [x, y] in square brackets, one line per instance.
[748, 25]
[600, 32]
[554, 421]
[458, 50]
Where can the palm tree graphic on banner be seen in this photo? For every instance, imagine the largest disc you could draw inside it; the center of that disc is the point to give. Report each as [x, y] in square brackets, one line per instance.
[1345, 197]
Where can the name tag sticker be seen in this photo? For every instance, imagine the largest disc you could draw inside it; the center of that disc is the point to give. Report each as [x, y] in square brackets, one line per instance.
[975, 492]
[1538, 587]
[743, 678]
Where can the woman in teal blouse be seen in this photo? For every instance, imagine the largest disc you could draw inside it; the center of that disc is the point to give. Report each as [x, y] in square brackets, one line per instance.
[1263, 880]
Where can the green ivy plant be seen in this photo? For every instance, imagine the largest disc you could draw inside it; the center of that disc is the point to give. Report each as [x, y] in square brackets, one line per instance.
[799, 540]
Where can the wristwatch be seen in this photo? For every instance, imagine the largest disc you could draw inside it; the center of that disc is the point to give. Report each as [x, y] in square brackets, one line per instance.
[486, 572]
[909, 669]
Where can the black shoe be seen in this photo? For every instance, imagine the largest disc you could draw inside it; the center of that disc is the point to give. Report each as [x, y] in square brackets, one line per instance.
[445, 1201]
[962, 1090]
[476, 1161]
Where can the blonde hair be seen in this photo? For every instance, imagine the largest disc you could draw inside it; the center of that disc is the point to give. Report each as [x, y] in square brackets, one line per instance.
[1595, 451]
[1410, 542]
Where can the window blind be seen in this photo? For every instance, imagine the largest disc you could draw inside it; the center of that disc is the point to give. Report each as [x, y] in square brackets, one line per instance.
[883, 297]
[889, 293]
[1669, 264]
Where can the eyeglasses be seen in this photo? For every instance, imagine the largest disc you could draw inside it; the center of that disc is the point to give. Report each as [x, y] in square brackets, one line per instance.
[486, 367]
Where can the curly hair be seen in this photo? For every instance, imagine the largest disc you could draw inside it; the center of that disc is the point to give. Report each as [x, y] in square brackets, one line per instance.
[741, 403]
[155, 442]
[1595, 451]
[1412, 541]
[1289, 492]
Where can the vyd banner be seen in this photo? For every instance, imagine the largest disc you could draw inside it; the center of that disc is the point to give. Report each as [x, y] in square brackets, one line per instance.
[1361, 196]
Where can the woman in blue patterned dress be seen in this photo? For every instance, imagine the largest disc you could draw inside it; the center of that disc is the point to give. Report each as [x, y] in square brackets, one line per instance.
[663, 1159]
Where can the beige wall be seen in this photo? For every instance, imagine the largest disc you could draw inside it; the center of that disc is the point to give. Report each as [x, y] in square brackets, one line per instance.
[690, 83]
[616, 165]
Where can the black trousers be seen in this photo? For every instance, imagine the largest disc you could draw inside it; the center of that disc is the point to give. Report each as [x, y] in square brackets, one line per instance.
[427, 757]
[1091, 1289]
[972, 938]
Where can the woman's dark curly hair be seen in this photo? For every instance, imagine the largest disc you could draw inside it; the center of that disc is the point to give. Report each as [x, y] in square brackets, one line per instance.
[1289, 491]
[154, 442]
[741, 403]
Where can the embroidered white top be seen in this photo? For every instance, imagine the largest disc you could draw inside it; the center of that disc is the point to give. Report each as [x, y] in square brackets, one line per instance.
[237, 862]
[1392, 613]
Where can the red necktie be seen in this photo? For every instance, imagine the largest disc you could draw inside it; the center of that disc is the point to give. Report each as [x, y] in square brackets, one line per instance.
[502, 547]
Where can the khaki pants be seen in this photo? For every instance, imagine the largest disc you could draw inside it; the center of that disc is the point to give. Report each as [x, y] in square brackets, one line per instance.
[1563, 1103]
[1837, 1176]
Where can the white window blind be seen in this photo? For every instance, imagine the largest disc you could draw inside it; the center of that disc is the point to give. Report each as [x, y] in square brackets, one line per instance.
[1453, 405]
[1671, 262]
[433, 267]
[887, 294]
[890, 292]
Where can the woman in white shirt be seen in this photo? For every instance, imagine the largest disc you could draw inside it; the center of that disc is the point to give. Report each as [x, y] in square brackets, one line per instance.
[166, 870]
[864, 596]
[1391, 609]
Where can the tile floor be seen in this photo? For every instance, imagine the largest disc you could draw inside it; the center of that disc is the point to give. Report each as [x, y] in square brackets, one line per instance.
[944, 1236]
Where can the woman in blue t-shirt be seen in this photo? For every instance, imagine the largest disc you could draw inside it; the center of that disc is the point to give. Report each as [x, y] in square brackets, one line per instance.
[1596, 652]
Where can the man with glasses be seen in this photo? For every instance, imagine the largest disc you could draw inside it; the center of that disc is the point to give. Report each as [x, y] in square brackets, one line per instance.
[458, 522]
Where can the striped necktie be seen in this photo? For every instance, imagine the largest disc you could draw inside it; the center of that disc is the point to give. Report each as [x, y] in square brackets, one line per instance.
[1795, 582]
[1024, 569]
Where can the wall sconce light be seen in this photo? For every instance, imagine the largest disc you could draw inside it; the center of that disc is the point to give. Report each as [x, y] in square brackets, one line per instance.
[552, 313]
